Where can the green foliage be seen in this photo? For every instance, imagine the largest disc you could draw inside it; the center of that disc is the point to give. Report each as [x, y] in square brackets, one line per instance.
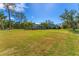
[2, 17]
[48, 25]
[69, 18]
[21, 16]
[27, 25]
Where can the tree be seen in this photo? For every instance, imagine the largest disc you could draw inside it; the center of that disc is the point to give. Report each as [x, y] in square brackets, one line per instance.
[2, 17]
[69, 18]
[28, 25]
[9, 7]
[77, 20]
[21, 16]
[44, 25]
[47, 25]
[51, 24]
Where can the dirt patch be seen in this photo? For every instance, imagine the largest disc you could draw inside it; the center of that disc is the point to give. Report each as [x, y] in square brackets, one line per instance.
[8, 51]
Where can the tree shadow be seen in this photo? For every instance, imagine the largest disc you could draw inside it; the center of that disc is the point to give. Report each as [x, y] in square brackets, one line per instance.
[76, 31]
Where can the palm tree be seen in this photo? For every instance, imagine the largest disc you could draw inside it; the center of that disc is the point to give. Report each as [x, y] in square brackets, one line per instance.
[9, 7]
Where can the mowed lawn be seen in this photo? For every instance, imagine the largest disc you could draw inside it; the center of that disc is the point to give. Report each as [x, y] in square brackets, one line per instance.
[39, 43]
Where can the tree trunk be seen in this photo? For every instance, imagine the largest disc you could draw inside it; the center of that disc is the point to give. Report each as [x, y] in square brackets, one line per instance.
[10, 27]
[2, 25]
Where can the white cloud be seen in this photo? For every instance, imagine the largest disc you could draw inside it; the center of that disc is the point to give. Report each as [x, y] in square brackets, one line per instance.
[37, 23]
[11, 8]
[20, 7]
[12, 18]
[32, 16]
[1, 6]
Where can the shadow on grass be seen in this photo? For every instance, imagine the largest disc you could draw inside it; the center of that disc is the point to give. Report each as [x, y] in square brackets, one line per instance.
[76, 31]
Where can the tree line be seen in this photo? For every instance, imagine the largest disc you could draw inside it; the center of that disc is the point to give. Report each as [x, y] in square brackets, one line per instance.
[28, 25]
[70, 20]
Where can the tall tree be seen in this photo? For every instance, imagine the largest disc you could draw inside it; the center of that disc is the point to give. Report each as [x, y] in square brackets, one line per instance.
[77, 20]
[69, 18]
[21, 16]
[9, 7]
[2, 17]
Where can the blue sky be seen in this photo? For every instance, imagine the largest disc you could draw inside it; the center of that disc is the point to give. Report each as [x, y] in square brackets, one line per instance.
[39, 12]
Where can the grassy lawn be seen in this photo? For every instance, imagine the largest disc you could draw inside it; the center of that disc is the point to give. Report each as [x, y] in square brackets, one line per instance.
[39, 42]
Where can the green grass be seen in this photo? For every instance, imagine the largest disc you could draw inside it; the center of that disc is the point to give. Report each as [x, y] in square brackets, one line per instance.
[39, 43]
